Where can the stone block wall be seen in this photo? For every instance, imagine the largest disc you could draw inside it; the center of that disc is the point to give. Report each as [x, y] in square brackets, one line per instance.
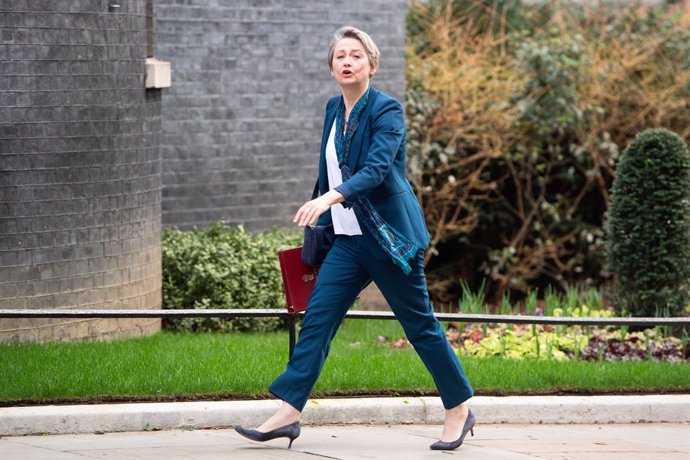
[242, 122]
[80, 173]
[81, 195]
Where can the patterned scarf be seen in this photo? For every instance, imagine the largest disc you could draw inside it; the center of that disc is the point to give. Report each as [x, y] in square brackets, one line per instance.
[399, 249]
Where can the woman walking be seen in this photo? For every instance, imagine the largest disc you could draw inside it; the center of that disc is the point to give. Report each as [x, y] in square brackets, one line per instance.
[380, 236]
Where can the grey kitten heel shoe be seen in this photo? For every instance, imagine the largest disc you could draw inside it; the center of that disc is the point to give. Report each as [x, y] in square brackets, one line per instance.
[468, 427]
[291, 431]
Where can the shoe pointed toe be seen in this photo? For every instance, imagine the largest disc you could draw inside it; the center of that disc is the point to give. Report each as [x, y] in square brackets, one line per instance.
[291, 431]
[442, 445]
[468, 427]
[246, 432]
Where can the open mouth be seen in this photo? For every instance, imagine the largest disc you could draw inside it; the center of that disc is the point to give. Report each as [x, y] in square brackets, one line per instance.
[347, 72]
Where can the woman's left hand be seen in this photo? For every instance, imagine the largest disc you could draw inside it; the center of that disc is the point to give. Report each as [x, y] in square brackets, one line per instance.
[310, 211]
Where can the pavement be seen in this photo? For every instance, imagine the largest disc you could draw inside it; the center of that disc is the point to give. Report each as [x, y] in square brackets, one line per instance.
[524, 427]
[399, 442]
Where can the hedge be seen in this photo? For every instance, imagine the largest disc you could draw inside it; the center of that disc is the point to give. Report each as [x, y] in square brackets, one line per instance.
[224, 267]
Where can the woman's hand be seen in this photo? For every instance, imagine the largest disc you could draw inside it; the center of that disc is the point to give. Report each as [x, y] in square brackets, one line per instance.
[310, 211]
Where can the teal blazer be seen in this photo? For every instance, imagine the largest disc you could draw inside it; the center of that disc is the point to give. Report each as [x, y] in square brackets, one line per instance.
[377, 162]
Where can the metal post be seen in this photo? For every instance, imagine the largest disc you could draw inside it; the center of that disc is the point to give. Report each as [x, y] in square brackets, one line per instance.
[292, 325]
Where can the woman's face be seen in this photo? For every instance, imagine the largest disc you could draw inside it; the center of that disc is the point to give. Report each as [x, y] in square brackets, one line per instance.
[350, 64]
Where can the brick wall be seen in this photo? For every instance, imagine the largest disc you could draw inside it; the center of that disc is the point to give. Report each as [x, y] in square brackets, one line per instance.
[242, 122]
[80, 174]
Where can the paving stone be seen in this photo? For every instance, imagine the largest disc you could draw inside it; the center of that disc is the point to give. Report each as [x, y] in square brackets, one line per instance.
[398, 442]
[16, 450]
[615, 456]
[138, 440]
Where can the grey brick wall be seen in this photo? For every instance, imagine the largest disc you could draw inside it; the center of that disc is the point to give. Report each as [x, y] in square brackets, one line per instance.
[242, 122]
[80, 174]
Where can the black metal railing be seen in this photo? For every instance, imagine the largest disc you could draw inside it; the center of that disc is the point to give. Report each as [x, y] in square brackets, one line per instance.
[354, 314]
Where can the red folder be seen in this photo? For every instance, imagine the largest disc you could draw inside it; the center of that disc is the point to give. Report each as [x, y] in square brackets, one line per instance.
[298, 279]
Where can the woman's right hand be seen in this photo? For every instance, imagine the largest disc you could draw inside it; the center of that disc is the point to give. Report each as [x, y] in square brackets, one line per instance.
[310, 211]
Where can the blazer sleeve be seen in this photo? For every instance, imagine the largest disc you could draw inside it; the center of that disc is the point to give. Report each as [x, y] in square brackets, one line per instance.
[388, 131]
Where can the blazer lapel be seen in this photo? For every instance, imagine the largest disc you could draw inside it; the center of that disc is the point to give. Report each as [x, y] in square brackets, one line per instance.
[328, 125]
[362, 130]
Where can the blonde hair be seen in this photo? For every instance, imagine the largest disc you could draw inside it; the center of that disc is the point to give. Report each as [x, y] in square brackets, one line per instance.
[373, 53]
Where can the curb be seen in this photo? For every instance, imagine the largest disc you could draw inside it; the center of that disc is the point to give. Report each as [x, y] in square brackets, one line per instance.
[17, 421]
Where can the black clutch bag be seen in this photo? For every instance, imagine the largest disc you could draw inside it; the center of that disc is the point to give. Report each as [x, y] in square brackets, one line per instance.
[318, 239]
[317, 242]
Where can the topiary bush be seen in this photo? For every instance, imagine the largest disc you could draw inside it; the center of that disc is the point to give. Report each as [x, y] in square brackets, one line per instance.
[649, 225]
[223, 267]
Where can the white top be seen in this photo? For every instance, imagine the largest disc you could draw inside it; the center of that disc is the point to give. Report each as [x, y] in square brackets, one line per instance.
[344, 220]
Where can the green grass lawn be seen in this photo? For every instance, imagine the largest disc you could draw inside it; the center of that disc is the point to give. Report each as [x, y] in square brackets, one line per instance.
[243, 365]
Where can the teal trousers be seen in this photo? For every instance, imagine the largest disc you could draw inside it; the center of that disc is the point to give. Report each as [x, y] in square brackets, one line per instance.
[351, 264]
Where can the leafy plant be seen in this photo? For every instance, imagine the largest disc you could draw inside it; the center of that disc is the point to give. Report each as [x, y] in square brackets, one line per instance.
[635, 346]
[576, 301]
[520, 342]
[222, 267]
[471, 302]
[545, 342]
[649, 225]
[516, 119]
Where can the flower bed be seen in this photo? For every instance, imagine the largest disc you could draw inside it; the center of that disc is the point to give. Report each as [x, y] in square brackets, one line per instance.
[566, 343]
[563, 343]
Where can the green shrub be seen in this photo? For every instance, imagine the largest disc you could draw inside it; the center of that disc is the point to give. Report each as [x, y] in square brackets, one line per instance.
[649, 225]
[222, 267]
